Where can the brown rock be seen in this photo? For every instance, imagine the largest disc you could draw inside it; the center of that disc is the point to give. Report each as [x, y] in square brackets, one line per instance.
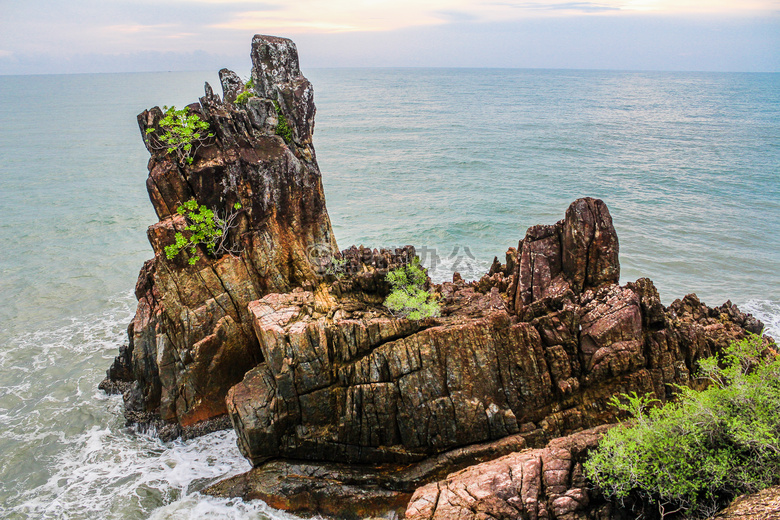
[589, 245]
[334, 490]
[374, 389]
[534, 484]
[764, 505]
[556, 263]
[293, 332]
[192, 337]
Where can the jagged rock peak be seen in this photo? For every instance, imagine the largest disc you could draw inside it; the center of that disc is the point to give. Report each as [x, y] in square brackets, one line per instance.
[277, 76]
[274, 62]
[231, 85]
[192, 337]
[579, 252]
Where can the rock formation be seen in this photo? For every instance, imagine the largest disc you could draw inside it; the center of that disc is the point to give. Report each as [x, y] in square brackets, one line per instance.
[192, 337]
[345, 409]
[540, 483]
[543, 358]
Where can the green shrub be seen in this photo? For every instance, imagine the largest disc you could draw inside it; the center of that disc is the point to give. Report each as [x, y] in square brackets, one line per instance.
[182, 133]
[693, 455]
[247, 93]
[408, 297]
[204, 227]
[337, 267]
[282, 128]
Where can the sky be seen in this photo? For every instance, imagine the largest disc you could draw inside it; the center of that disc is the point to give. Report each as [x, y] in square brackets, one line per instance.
[77, 36]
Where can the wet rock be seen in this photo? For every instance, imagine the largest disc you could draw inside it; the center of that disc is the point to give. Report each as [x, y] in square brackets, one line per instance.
[355, 491]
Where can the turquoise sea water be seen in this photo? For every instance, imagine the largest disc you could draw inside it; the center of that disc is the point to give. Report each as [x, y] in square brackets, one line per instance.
[457, 162]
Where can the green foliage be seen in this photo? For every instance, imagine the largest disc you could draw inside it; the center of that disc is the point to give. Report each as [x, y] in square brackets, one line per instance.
[204, 227]
[337, 267]
[243, 97]
[282, 128]
[692, 455]
[408, 297]
[246, 94]
[182, 132]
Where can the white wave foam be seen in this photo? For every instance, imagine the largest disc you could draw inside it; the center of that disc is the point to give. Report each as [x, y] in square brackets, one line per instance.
[107, 472]
[39, 349]
[768, 312]
[65, 452]
[197, 507]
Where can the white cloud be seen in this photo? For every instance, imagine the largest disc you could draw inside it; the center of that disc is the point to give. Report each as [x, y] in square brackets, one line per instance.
[222, 27]
[334, 16]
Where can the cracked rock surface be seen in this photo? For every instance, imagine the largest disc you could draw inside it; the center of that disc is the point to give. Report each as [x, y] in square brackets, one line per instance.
[192, 337]
[345, 409]
[531, 484]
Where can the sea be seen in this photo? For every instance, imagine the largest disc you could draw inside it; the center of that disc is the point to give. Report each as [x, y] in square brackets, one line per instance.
[457, 162]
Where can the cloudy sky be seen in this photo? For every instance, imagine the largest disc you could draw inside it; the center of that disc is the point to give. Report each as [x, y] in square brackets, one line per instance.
[61, 36]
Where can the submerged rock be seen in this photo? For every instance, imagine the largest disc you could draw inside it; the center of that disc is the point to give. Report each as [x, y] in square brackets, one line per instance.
[345, 409]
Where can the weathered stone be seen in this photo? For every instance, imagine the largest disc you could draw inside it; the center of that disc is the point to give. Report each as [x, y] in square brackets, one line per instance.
[192, 337]
[315, 369]
[534, 484]
[589, 245]
[374, 389]
[335, 490]
[764, 505]
[231, 85]
[556, 263]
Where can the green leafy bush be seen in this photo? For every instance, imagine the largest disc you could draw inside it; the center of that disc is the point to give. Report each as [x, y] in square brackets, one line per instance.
[182, 133]
[691, 456]
[282, 128]
[337, 267]
[246, 94]
[204, 227]
[408, 297]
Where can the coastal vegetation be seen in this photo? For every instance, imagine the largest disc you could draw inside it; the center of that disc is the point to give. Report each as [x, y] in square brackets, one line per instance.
[247, 93]
[408, 297]
[282, 128]
[182, 132]
[204, 227]
[691, 456]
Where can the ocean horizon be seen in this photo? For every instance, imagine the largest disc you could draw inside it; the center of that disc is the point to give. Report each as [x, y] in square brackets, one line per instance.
[457, 162]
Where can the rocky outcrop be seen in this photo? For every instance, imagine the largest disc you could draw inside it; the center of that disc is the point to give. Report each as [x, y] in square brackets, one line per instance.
[532, 484]
[345, 409]
[372, 388]
[192, 339]
[764, 505]
[577, 253]
[369, 388]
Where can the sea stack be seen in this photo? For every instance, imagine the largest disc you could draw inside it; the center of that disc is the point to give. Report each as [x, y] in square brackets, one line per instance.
[346, 409]
[192, 337]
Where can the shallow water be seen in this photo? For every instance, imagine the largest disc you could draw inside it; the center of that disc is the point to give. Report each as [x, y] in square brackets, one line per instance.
[457, 162]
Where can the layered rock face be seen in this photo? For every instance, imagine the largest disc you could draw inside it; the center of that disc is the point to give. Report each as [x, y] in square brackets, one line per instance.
[541, 359]
[192, 337]
[345, 409]
[541, 483]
